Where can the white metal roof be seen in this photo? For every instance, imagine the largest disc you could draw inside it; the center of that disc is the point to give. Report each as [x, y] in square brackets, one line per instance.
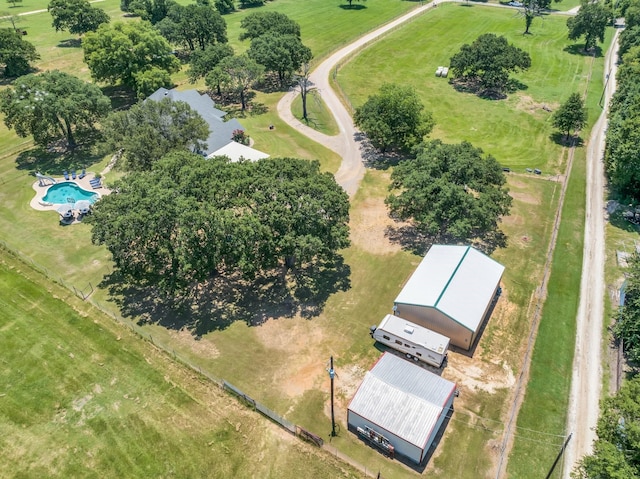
[402, 398]
[459, 281]
[415, 333]
[236, 151]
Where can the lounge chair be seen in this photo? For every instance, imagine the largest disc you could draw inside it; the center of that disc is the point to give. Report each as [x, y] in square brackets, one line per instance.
[95, 183]
[66, 175]
[82, 175]
[73, 175]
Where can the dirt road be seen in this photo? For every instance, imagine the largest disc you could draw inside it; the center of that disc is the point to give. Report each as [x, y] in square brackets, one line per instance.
[587, 371]
[345, 143]
[587, 374]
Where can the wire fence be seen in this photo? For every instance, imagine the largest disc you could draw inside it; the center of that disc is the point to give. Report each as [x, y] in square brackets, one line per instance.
[85, 295]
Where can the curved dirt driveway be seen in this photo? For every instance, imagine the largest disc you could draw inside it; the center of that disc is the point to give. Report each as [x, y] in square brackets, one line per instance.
[345, 143]
[585, 388]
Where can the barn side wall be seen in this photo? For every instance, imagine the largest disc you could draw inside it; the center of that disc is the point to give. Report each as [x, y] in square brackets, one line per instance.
[434, 432]
[402, 447]
[433, 319]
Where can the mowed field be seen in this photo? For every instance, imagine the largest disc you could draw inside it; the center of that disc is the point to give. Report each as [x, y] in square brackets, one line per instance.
[81, 396]
[517, 130]
[276, 348]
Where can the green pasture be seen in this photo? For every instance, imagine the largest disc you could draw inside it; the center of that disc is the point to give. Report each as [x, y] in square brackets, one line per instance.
[545, 405]
[516, 130]
[81, 396]
[262, 359]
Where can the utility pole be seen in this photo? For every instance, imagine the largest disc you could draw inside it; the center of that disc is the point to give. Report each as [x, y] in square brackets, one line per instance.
[332, 374]
[555, 463]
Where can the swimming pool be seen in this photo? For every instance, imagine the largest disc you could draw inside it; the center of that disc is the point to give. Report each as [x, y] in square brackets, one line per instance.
[68, 192]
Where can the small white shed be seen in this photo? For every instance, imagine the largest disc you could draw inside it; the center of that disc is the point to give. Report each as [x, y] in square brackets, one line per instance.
[402, 403]
[450, 292]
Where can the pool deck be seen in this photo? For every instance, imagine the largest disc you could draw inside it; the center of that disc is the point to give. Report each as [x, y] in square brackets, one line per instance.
[38, 204]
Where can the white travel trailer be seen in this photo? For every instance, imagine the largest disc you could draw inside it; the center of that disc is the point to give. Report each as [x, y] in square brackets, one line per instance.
[417, 342]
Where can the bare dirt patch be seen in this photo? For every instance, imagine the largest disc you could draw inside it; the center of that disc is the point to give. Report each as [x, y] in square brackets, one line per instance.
[203, 347]
[303, 341]
[527, 198]
[528, 104]
[368, 225]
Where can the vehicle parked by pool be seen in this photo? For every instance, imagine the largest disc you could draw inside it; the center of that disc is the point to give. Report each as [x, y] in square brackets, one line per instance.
[416, 342]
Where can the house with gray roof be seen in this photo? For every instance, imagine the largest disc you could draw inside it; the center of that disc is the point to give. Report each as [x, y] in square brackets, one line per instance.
[220, 131]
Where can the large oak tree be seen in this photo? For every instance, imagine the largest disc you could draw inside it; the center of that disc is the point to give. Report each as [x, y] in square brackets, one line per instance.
[119, 52]
[15, 53]
[450, 192]
[590, 22]
[488, 61]
[151, 129]
[189, 219]
[394, 118]
[194, 26]
[258, 23]
[76, 16]
[532, 9]
[51, 106]
[280, 54]
[235, 75]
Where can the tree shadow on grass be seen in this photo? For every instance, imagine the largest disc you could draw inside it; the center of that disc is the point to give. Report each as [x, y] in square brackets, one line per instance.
[216, 304]
[578, 49]
[359, 6]
[474, 87]
[417, 242]
[566, 141]
[70, 43]
[56, 158]
[373, 158]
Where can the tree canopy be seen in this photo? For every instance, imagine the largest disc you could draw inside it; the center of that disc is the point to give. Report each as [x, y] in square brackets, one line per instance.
[15, 53]
[488, 61]
[280, 54]
[532, 9]
[117, 52]
[394, 118]
[76, 16]
[202, 62]
[623, 132]
[235, 75]
[627, 326]
[51, 106]
[450, 192]
[590, 22]
[152, 11]
[571, 116]
[258, 23]
[151, 129]
[616, 451]
[194, 26]
[188, 219]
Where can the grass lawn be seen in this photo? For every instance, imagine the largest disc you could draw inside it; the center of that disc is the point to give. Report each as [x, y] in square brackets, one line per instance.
[83, 397]
[282, 362]
[319, 116]
[516, 131]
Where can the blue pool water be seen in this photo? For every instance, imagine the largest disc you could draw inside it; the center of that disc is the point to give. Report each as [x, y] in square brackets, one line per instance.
[61, 193]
